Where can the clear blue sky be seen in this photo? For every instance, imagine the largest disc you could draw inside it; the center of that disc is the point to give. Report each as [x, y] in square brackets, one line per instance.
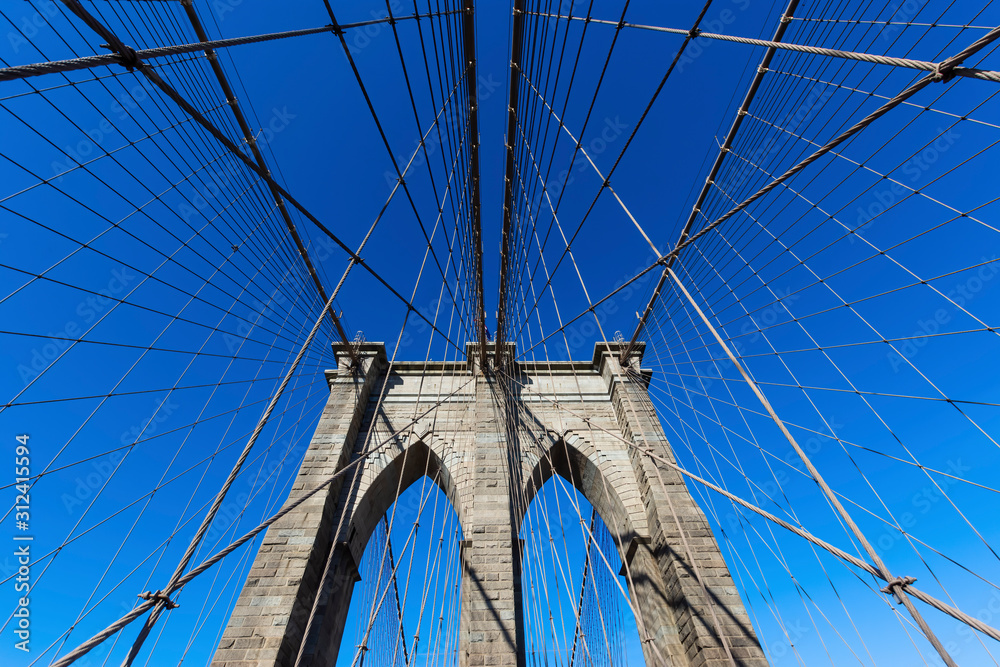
[323, 146]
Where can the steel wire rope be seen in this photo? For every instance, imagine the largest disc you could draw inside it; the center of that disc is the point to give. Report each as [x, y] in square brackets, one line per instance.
[84, 612]
[802, 48]
[708, 501]
[606, 179]
[732, 134]
[189, 144]
[636, 608]
[201, 120]
[140, 609]
[955, 613]
[857, 127]
[799, 384]
[774, 477]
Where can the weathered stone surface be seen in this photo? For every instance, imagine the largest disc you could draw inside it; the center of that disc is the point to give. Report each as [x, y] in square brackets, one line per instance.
[490, 441]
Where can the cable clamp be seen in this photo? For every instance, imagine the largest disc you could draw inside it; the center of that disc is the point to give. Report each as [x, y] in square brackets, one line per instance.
[898, 583]
[694, 32]
[128, 56]
[942, 75]
[158, 596]
[761, 69]
[785, 19]
[337, 30]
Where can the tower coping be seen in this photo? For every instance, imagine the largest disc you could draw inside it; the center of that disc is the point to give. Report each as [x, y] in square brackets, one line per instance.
[603, 350]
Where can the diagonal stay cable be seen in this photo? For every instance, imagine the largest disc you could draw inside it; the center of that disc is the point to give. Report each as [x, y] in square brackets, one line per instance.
[857, 562]
[468, 72]
[941, 75]
[908, 63]
[249, 138]
[606, 179]
[897, 586]
[126, 57]
[155, 78]
[141, 609]
[723, 149]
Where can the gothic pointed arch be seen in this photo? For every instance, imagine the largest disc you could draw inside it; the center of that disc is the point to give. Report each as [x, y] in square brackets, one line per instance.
[604, 476]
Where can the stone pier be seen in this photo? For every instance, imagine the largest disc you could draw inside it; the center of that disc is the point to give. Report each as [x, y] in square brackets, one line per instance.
[586, 421]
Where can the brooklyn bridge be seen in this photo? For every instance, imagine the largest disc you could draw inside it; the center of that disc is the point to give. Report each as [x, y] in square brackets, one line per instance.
[584, 333]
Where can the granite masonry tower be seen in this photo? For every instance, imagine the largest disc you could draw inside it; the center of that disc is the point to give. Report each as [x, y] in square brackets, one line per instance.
[490, 440]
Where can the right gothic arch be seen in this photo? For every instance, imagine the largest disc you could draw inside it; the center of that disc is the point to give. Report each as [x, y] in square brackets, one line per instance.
[682, 591]
[604, 478]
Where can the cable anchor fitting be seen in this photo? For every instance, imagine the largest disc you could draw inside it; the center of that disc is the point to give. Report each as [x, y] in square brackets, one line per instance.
[898, 583]
[159, 596]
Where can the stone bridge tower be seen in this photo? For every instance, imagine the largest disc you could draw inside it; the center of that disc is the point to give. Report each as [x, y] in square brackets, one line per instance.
[490, 440]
